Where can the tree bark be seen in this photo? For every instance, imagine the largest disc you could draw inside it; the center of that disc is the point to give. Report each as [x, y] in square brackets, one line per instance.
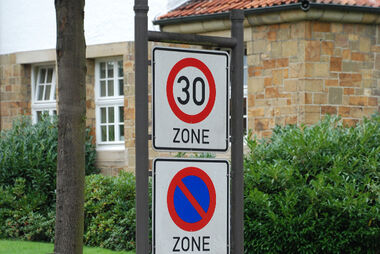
[71, 51]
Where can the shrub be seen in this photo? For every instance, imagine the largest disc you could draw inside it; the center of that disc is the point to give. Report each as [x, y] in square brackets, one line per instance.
[28, 163]
[30, 152]
[314, 189]
[195, 155]
[110, 214]
[307, 190]
[21, 215]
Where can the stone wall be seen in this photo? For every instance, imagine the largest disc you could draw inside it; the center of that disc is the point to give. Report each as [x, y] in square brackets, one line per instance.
[297, 73]
[300, 72]
[129, 103]
[14, 90]
[90, 95]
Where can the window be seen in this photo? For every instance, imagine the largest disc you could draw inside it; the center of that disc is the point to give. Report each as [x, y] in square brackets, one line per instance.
[111, 79]
[109, 93]
[111, 123]
[43, 92]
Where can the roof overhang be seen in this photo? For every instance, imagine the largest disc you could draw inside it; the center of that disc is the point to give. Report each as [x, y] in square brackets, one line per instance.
[273, 15]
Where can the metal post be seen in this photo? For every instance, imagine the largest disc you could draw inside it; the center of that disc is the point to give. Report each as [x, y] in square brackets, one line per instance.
[237, 179]
[141, 126]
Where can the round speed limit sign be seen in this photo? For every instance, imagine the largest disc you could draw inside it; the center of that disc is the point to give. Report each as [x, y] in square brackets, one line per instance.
[190, 99]
[197, 97]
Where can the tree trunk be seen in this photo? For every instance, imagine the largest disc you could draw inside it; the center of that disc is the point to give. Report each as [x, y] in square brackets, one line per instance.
[71, 51]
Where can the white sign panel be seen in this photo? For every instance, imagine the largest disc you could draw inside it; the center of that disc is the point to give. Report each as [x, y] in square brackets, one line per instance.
[190, 206]
[190, 99]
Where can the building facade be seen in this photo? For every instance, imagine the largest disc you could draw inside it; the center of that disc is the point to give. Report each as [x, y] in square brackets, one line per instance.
[299, 66]
[303, 61]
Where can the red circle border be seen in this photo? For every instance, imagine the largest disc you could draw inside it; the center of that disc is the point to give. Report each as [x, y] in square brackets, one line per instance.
[190, 62]
[191, 171]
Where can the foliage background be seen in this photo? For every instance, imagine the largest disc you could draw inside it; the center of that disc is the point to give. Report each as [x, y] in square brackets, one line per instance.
[314, 189]
[28, 164]
[308, 189]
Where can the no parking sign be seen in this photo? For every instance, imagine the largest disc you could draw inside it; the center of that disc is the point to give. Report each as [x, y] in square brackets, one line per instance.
[191, 199]
[190, 99]
[190, 206]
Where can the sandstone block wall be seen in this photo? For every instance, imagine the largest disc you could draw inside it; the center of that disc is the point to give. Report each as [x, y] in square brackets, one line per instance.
[297, 73]
[300, 72]
[14, 90]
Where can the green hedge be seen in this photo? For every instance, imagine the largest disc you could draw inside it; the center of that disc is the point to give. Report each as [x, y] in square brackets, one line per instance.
[29, 151]
[307, 190]
[314, 189]
[110, 214]
[28, 163]
[25, 215]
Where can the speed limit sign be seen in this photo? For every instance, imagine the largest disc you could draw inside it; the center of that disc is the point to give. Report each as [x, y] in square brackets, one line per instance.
[190, 99]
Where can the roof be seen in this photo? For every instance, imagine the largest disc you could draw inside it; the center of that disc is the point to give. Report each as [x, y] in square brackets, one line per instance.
[204, 7]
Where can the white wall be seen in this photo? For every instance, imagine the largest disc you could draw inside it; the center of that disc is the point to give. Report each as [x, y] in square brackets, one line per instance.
[30, 24]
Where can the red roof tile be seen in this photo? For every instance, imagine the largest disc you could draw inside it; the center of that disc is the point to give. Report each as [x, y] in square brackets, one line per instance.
[200, 7]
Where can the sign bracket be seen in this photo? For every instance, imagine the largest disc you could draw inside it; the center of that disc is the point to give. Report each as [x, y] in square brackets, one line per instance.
[192, 39]
[236, 43]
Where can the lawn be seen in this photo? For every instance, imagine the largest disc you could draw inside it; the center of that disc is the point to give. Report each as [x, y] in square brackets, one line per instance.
[21, 247]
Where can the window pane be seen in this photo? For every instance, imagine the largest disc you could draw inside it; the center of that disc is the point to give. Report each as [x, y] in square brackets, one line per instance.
[104, 133]
[111, 132]
[102, 70]
[111, 115]
[40, 92]
[42, 76]
[121, 114]
[102, 88]
[120, 69]
[103, 116]
[50, 75]
[110, 88]
[39, 113]
[121, 87]
[121, 131]
[47, 92]
[110, 69]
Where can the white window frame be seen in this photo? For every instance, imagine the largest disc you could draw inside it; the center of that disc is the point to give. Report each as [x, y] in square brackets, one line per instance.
[115, 101]
[49, 105]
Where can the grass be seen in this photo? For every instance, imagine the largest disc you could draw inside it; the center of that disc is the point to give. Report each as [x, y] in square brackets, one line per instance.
[23, 247]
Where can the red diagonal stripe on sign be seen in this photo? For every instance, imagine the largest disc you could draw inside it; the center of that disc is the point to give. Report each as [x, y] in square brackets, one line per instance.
[192, 200]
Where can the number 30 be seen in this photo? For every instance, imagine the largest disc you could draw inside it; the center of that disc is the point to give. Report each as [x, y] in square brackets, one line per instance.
[186, 90]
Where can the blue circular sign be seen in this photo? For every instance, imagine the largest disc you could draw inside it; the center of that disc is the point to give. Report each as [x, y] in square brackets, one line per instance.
[191, 199]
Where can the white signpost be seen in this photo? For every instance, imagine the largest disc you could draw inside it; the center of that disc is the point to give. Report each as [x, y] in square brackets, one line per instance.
[190, 99]
[190, 206]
